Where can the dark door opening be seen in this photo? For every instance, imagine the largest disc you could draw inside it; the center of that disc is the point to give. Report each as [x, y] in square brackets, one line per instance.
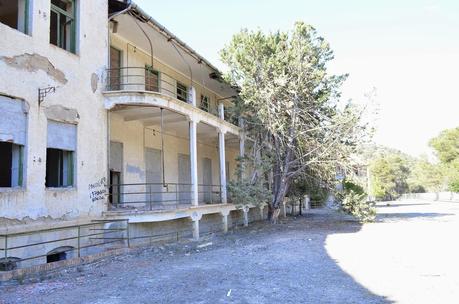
[115, 187]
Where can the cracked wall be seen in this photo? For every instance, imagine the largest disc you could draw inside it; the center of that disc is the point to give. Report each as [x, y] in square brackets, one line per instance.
[30, 62]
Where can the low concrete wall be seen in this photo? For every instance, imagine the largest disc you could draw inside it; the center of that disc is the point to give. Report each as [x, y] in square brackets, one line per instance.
[433, 196]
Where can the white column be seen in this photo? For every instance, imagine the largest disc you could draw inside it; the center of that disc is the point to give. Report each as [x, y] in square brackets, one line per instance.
[221, 149]
[262, 213]
[194, 162]
[196, 217]
[192, 96]
[196, 230]
[246, 209]
[225, 214]
[284, 208]
[193, 149]
[221, 111]
[241, 138]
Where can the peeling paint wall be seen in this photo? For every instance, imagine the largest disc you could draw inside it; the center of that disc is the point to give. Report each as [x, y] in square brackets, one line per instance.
[30, 62]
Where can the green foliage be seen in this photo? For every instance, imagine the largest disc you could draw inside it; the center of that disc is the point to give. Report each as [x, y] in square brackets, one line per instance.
[248, 190]
[425, 177]
[446, 146]
[291, 105]
[389, 173]
[353, 200]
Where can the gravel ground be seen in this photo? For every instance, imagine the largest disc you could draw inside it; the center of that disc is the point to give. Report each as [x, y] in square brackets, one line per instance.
[407, 256]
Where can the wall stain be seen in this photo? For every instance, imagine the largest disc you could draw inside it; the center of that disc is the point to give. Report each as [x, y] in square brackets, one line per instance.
[94, 82]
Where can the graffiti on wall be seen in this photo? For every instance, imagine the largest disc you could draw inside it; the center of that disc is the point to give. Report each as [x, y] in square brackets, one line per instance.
[98, 190]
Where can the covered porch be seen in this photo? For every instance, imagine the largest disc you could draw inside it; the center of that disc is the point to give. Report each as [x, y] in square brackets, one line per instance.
[161, 159]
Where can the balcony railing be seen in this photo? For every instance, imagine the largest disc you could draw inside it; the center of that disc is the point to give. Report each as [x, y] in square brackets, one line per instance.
[159, 196]
[147, 79]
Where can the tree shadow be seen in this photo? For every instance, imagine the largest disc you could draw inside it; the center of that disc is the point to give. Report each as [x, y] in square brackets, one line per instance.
[382, 216]
[401, 205]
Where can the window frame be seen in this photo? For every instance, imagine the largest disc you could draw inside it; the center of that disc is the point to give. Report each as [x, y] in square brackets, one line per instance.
[26, 16]
[20, 166]
[149, 69]
[184, 89]
[59, 11]
[66, 159]
[207, 99]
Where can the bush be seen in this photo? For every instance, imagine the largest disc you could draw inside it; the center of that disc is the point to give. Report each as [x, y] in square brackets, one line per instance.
[353, 200]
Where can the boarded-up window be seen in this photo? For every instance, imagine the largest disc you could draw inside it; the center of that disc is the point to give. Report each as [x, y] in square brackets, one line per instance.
[60, 154]
[13, 125]
[115, 69]
[151, 79]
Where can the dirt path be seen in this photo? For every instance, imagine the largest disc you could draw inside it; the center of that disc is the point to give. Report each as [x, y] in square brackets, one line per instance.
[318, 258]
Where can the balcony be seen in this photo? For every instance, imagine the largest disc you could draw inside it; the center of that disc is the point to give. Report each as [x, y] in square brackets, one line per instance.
[145, 79]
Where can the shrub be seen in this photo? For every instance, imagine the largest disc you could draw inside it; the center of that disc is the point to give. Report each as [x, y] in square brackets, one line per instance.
[353, 200]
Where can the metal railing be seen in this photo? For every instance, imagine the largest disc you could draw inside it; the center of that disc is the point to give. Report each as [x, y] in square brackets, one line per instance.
[77, 239]
[159, 196]
[147, 79]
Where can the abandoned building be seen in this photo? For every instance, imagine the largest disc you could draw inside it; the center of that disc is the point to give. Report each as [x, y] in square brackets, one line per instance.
[112, 130]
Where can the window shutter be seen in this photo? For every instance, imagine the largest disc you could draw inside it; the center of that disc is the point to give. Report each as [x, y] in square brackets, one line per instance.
[62, 136]
[13, 125]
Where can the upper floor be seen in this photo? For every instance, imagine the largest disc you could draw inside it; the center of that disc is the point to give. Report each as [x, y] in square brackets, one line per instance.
[125, 47]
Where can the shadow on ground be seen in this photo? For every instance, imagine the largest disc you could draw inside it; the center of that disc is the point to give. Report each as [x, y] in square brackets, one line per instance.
[388, 205]
[410, 215]
[285, 263]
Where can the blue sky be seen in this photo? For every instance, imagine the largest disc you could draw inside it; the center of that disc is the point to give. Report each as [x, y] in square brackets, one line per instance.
[408, 50]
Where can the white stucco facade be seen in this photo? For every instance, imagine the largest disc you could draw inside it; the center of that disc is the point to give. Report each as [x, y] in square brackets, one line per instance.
[159, 136]
[29, 62]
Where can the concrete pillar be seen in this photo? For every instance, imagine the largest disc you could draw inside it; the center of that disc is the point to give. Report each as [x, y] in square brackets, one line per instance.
[284, 208]
[194, 161]
[241, 138]
[225, 214]
[196, 230]
[193, 149]
[262, 213]
[306, 202]
[221, 111]
[192, 96]
[221, 149]
[246, 215]
[196, 217]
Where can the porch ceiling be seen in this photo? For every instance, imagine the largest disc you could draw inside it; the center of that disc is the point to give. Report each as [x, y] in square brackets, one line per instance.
[173, 123]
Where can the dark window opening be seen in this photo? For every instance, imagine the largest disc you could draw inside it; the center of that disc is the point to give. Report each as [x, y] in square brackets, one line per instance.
[62, 24]
[59, 168]
[14, 13]
[182, 92]
[56, 257]
[11, 167]
[9, 263]
[151, 79]
[204, 103]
